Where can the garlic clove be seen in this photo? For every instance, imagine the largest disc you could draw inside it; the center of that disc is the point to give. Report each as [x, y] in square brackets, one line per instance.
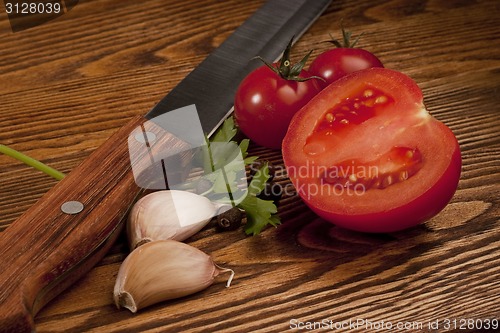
[163, 270]
[170, 214]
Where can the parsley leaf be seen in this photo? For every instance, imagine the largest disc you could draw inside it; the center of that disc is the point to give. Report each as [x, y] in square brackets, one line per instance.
[226, 132]
[260, 213]
[259, 180]
[223, 162]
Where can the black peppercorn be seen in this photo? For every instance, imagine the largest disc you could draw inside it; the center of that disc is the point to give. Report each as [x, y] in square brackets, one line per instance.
[229, 220]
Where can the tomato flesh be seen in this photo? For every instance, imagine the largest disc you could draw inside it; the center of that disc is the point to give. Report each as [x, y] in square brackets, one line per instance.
[353, 111]
[398, 164]
[395, 166]
[366, 155]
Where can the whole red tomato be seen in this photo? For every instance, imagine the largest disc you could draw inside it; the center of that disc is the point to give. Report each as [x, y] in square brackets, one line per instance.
[366, 155]
[265, 103]
[268, 97]
[333, 64]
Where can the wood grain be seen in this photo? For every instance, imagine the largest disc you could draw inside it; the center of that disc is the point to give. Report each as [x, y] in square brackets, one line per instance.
[67, 85]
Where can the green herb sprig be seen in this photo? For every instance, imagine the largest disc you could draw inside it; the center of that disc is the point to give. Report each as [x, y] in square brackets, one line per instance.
[260, 213]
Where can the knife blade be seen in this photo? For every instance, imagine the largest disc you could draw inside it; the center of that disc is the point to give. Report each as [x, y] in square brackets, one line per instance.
[74, 224]
[217, 77]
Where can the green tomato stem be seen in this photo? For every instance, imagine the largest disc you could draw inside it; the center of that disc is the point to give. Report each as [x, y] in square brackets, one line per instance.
[31, 162]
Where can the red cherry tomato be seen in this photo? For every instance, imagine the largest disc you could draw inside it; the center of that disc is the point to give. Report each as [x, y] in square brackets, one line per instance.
[333, 64]
[265, 103]
[366, 155]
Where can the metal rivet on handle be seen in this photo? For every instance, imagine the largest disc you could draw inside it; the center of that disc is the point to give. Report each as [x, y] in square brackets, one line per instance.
[144, 137]
[72, 207]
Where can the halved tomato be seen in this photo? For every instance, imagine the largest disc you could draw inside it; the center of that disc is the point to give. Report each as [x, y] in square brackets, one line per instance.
[366, 155]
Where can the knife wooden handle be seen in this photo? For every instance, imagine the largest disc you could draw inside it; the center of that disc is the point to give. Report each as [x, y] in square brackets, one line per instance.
[46, 249]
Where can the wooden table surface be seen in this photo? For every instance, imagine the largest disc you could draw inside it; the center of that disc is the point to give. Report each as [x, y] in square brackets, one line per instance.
[67, 85]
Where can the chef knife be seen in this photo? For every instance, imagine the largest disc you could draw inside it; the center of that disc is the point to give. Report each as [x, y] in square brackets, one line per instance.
[74, 224]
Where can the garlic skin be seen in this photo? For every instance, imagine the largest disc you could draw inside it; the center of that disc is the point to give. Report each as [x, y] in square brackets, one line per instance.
[163, 270]
[169, 214]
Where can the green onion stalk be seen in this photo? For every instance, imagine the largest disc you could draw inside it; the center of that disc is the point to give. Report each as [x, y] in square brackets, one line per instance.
[31, 162]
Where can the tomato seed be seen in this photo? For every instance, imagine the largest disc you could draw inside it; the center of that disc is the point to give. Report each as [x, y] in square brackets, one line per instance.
[369, 102]
[387, 181]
